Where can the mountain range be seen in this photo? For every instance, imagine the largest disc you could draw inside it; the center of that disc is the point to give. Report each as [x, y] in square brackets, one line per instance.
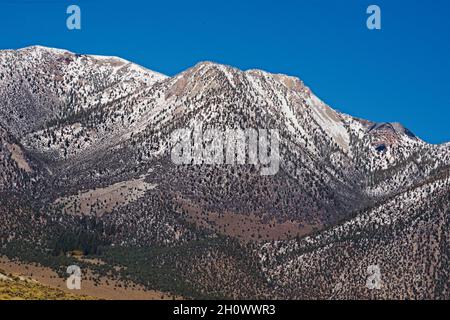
[85, 164]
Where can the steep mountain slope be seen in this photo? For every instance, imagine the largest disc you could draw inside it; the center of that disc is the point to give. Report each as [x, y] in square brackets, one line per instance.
[85, 152]
[406, 238]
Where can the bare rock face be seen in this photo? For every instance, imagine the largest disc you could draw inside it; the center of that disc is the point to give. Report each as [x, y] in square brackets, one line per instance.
[85, 145]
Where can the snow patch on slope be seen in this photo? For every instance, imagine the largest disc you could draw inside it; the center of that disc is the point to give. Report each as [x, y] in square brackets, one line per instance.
[330, 121]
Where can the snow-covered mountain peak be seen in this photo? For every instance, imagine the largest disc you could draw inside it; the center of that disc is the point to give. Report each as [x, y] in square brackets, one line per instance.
[113, 62]
[49, 83]
[39, 48]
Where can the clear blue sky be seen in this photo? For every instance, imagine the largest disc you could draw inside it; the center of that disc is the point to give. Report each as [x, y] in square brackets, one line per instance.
[401, 73]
